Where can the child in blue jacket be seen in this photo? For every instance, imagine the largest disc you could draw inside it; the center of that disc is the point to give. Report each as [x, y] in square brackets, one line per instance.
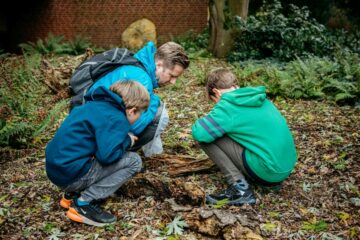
[88, 157]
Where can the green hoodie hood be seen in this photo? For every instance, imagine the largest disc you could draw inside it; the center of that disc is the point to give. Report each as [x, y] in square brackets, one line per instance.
[247, 97]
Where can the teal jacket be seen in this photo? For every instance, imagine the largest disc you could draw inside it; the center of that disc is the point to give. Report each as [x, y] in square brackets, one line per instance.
[146, 78]
[247, 117]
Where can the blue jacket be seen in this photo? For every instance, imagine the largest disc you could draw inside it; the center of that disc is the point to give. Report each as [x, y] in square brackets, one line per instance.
[99, 129]
[146, 78]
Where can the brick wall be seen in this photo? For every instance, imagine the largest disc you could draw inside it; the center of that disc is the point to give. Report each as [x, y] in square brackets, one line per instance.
[105, 20]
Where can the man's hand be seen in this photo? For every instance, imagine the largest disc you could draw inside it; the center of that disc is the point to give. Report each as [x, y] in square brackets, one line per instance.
[133, 139]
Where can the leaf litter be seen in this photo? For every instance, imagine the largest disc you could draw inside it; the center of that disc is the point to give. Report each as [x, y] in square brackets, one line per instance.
[320, 199]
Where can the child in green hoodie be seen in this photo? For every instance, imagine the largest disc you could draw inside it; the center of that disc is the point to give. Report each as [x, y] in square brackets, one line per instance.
[246, 136]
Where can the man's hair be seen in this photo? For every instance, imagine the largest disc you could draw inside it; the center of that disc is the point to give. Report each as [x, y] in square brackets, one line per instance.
[133, 94]
[172, 53]
[221, 78]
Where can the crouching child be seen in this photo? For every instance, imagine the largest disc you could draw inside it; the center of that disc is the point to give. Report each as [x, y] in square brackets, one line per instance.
[247, 138]
[88, 157]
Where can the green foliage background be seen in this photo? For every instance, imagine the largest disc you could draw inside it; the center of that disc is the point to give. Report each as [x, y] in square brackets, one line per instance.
[25, 113]
[288, 52]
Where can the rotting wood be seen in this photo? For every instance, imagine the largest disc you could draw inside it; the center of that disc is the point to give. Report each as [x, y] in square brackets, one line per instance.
[178, 165]
[162, 187]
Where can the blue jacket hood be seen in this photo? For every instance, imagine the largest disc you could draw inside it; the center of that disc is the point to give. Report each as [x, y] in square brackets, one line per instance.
[146, 56]
[103, 94]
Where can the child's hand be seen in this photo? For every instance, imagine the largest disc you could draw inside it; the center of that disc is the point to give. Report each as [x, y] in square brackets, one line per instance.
[215, 98]
[133, 139]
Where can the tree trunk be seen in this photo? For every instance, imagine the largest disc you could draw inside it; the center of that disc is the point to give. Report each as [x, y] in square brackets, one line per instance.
[220, 41]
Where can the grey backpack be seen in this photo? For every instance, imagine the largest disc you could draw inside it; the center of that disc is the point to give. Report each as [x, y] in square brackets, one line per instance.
[89, 71]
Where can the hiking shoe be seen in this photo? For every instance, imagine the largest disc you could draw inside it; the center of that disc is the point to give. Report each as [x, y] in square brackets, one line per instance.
[67, 199]
[236, 194]
[90, 214]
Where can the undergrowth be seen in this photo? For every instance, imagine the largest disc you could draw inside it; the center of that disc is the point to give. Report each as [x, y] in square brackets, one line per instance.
[24, 103]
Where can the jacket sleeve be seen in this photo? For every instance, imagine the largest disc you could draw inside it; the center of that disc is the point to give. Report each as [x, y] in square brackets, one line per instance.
[112, 140]
[146, 117]
[215, 125]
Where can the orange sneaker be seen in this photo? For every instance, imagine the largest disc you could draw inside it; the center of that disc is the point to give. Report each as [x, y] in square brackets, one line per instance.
[90, 214]
[67, 199]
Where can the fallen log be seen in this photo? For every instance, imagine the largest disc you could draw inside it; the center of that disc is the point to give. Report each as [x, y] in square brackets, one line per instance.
[162, 187]
[178, 165]
[159, 181]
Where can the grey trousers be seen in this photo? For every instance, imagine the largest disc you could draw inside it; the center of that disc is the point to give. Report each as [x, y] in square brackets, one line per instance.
[227, 155]
[102, 181]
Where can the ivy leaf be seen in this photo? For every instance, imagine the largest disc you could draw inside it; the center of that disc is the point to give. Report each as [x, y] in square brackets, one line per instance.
[221, 203]
[56, 234]
[176, 227]
[316, 227]
[343, 216]
[306, 187]
[269, 227]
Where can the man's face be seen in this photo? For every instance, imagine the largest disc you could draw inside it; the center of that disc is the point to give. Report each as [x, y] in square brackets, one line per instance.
[166, 75]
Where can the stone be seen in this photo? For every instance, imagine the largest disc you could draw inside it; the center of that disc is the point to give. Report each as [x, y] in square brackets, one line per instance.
[137, 34]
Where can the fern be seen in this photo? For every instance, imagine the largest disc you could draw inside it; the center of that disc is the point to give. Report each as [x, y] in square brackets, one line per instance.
[15, 133]
[21, 95]
[51, 118]
[56, 45]
[78, 45]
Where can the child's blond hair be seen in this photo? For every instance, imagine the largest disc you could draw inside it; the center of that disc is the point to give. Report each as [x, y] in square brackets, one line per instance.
[133, 94]
[221, 78]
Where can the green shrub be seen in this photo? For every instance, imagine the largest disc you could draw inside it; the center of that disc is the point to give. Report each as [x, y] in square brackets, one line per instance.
[270, 33]
[195, 44]
[52, 44]
[336, 79]
[56, 45]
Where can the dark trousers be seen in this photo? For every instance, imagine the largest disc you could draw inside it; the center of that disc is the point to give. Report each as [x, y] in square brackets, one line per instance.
[228, 156]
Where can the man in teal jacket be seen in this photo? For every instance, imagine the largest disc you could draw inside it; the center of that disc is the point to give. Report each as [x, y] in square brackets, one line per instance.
[245, 135]
[163, 66]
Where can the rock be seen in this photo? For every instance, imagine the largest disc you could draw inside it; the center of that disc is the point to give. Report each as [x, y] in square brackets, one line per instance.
[220, 223]
[240, 233]
[176, 207]
[138, 34]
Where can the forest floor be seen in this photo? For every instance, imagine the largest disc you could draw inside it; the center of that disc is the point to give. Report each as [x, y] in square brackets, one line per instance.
[320, 199]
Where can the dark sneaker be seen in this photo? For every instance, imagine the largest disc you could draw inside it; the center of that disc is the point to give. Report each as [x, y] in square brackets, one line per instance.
[90, 214]
[236, 194]
[67, 199]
